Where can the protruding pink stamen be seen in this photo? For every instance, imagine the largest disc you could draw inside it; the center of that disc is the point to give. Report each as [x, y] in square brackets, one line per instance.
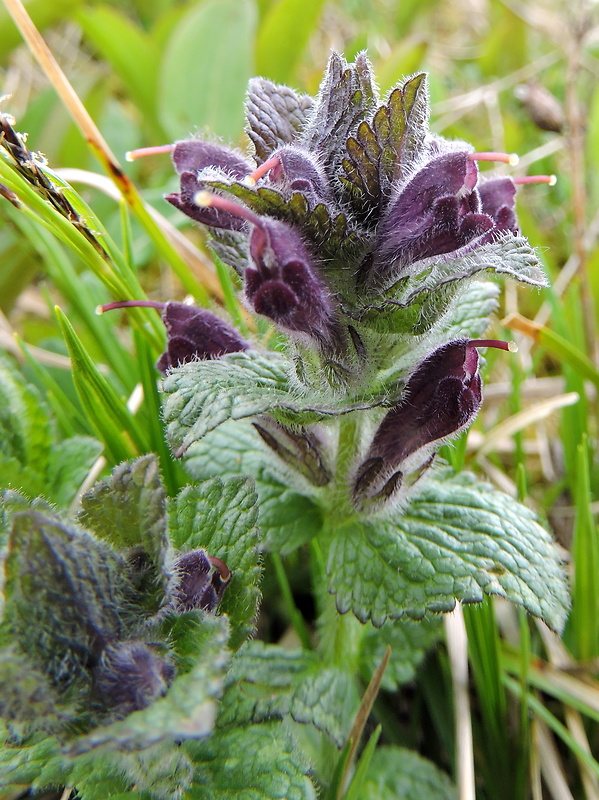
[271, 163]
[507, 158]
[549, 179]
[224, 570]
[142, 152]
[206, 199]
[129, 304]
[511, 347]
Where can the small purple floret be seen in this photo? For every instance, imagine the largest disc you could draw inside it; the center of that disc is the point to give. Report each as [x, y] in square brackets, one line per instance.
[130, 675]
[194, 333]
[200, 581]
[441, 397]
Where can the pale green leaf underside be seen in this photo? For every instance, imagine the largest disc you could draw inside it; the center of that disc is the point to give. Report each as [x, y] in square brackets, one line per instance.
[509, 255]
[456, 541]
[201, 395]
[288, 518]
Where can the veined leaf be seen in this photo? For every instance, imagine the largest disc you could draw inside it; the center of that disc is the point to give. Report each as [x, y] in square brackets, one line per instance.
[201, 395]
[267, 682]
[396, 772]
[288, 518]
[275, 770]
[455, 541]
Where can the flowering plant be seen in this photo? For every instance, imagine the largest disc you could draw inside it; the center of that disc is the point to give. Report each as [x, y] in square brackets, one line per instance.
[368, 242]
[127, 664]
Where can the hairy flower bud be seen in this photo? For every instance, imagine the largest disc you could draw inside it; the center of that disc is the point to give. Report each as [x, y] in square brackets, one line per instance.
[192, 333]
[191, 158]
[441, 397]
[436, 212]
[281, 281]
[130, 675]
[200, 581]
[293, 170]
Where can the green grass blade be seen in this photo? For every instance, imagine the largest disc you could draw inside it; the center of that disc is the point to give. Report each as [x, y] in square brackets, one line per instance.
[108, 413]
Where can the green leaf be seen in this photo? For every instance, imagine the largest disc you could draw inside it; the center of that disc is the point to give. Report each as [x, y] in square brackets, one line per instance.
[66, 595]
[469, 315]
[25, 427]
[195, 57]
[287, 518]
[129, 510]
[70, 462]
[23, 765]
[354, 791]
[283, 36]
[260, 761]
[188, 709]
[399, 773]
[347, 94]
[220, 516]
[509, 255]
[201, 395]
[267, 681]
[26, 696]
[409, 641]
[106, 410]
[455, 541]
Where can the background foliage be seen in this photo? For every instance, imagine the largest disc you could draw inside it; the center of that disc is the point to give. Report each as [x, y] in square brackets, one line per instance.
[151, 72]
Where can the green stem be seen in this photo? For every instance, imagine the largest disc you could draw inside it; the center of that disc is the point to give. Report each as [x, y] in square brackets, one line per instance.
[294, 615]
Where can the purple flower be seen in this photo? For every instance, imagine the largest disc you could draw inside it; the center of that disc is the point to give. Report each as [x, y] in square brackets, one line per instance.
[291, 169]
[438, 211]
[441, 397]
[130, 675]
[200, 581]
[281, 280]
[192, 333]
[191, 158]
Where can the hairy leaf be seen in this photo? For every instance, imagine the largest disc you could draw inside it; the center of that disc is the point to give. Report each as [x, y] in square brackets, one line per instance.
[201, 395]
[455, 541]
[288, 518]
[395, 772]
[275, 115]
[259, 761]
[509, 255]
[129, 511]
[66, 595]
[268, 682]
[220, 516]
